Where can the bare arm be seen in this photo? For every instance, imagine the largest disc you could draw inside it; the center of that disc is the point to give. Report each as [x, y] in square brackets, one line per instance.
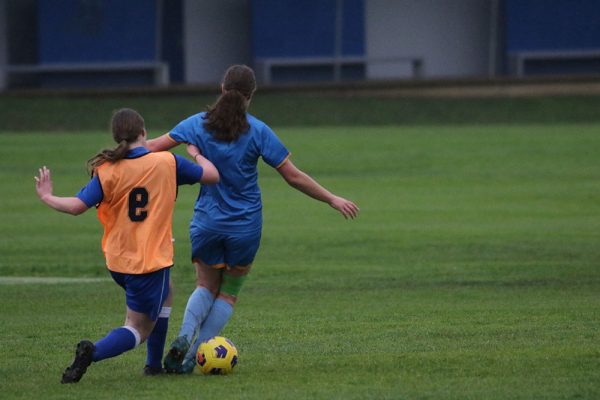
[43, 187]
[307, 185]
[165, 142]
[210, 173]
[161, 143]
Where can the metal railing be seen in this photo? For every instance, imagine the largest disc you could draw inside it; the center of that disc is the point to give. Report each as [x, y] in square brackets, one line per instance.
[160, 70]
[265, 66]
[519, 59]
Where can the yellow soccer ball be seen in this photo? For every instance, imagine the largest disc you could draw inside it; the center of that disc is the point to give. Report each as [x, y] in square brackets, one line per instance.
[216, 356]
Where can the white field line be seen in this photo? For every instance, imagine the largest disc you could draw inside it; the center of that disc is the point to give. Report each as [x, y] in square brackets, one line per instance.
[47, 280]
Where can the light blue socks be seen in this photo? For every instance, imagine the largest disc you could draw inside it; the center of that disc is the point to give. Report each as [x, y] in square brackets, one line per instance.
[198, 307]
[213, 324]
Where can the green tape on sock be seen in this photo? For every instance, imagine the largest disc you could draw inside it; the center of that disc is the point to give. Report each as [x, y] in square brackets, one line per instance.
[231, 285]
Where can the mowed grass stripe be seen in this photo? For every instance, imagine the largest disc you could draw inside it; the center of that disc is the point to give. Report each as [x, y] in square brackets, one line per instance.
[47, 280]
[471, 273]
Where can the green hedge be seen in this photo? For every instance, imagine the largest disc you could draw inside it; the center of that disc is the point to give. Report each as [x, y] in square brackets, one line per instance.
[161, 111]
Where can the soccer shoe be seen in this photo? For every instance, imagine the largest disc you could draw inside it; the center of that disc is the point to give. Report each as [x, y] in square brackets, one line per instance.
[153, 371]
[83, 359]
[188, 366]
[174, 357]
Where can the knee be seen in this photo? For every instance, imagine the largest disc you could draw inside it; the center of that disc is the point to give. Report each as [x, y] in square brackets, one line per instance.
[228, 298]
[213, 289]
[207, 277]
[144, 335]
[143, 330]
[169, 300]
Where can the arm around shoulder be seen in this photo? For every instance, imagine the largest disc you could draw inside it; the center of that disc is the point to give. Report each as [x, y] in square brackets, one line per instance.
[161, 143]
[210, 174]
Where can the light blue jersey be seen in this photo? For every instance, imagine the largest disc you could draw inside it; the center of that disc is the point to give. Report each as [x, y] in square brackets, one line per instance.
[234, 204]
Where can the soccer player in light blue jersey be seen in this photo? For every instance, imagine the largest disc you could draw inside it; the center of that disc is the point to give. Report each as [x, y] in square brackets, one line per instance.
[226, 228]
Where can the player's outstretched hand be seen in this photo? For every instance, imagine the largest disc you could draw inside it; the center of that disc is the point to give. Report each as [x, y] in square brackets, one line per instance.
[347, 208]
[43, 183]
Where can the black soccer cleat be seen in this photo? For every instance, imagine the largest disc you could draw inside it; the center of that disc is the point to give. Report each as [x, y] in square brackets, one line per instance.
[83, 359]
[153, 371]
[174, 357]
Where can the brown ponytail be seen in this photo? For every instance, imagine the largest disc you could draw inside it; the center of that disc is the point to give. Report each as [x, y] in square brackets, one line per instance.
[226, 119]
[127, 125]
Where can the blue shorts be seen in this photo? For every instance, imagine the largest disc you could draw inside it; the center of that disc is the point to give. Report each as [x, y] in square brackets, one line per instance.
[145, 293]
[224, 250]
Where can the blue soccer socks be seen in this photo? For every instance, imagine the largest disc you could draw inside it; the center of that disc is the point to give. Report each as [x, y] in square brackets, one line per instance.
[118, 341]
[155, 344]
[213, 324]
[198, 307]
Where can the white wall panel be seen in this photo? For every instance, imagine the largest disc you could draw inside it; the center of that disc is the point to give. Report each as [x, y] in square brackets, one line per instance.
[3, 44]
[216, 35]
[452, 37]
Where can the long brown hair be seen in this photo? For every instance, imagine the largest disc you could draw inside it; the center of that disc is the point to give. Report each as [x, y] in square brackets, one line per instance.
[226, 119]
[126, 125]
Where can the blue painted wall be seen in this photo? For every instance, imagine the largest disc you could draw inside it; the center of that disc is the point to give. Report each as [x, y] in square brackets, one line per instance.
[172, 39]
[353, 28]
[96, 30]
[305, 28]
[552, 25]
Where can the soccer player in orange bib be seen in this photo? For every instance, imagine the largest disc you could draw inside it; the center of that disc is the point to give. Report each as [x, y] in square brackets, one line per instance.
[134, 191]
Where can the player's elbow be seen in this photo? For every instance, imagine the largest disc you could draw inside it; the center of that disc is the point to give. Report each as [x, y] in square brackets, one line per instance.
[291, 174]
[77, 208]
[210, 176]
[295, 180]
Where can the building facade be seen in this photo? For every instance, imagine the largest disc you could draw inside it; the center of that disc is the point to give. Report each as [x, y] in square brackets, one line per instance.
[112, 43]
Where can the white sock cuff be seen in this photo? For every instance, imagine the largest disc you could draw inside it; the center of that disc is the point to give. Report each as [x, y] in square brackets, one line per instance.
[138, 338]
[165, 312]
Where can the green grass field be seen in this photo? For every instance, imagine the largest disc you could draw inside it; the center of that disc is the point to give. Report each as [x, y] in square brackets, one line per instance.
[473, 271]
[58, 113]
